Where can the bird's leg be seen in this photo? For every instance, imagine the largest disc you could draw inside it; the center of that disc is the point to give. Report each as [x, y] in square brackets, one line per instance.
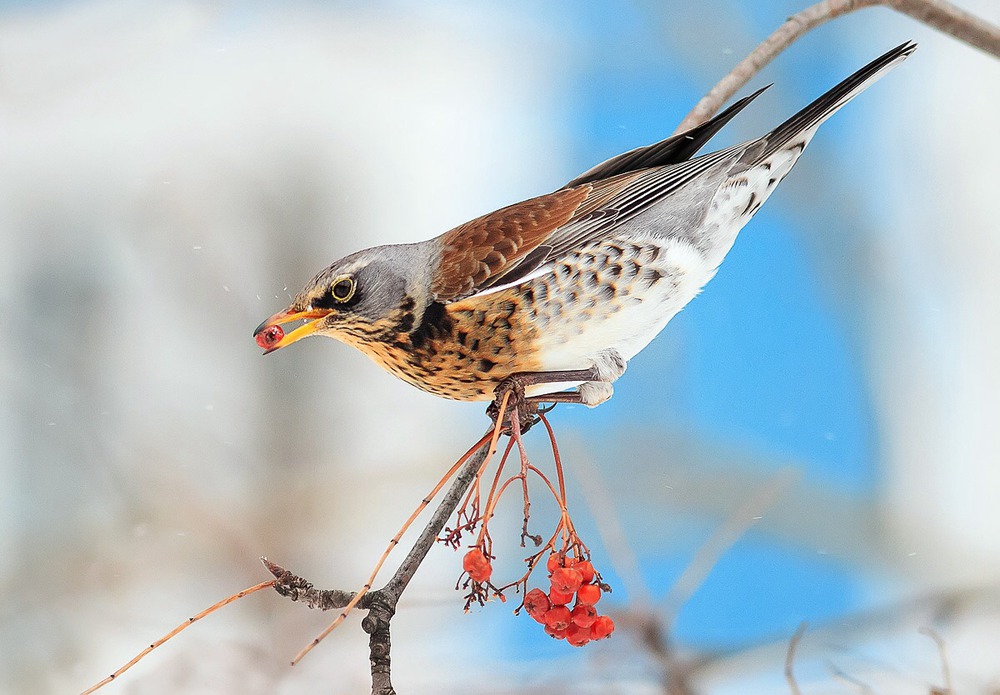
[595, 387]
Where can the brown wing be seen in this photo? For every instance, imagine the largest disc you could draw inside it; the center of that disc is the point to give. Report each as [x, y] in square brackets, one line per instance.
[478, 253]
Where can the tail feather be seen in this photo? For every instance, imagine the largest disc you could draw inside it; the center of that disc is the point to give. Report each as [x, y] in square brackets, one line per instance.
[673, 150]
[809, 118]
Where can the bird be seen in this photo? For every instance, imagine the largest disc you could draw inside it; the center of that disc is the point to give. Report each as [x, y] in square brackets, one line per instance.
[557, 293]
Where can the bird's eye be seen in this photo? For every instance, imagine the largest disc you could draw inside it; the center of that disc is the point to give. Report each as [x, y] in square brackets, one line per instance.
[343, 289]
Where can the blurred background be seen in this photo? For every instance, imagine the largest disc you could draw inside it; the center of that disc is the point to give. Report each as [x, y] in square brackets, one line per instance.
[171, 173]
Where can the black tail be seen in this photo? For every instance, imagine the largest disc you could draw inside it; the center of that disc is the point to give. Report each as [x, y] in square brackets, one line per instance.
[811, 116]
[678, 148]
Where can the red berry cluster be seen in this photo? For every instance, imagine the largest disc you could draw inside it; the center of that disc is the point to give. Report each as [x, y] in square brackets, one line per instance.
[477, 565]
[569, 577]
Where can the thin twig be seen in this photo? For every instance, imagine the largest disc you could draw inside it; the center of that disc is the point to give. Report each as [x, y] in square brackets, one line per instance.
[943, 654]
[840, 674]
[416, 555]
[620, 550]
[793, 645]
[180, 628]
[723, 538]
[936, 13]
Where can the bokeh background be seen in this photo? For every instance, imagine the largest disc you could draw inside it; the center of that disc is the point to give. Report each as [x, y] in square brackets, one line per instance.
[171, 172]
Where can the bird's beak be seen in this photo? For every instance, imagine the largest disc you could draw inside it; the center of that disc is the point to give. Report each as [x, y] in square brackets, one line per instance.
[287, 316]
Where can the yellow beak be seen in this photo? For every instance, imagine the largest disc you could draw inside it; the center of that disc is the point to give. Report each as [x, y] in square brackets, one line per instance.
[288, 316]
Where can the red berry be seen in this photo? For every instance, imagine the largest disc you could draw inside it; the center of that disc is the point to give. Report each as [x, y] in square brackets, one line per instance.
[474, 559]
[588, 594]
[552, 632]
[586, 570]
[566, 580]
[481, 574]
[558, 598]
[554, 562]
[536, 603]
[268, 337]
[577, 636]
[584, 615]
[602, 628]
[558, 617]
[476, 564]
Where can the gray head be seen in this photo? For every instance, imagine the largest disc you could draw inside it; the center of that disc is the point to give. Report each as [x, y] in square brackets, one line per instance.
[357, 296]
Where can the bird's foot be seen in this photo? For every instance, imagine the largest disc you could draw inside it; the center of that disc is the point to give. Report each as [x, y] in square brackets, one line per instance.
[518, 405]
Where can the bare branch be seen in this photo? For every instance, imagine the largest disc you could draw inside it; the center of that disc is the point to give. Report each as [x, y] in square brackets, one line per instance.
[936, 13]
[838, 673]
[954, 21]
[723, 538]
[381, 603]
[793, 644]
[943, 654]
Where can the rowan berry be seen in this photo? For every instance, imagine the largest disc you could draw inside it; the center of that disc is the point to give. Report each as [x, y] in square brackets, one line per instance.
[473, 559]
[554, 562]
[558, 617]
[476, 564]
[584, 615]
[558, 598]
[269, 337]
[481, 574]
[552, 632]
[566, 580]
[602, 627]
[536, 603]
[586, 570]
[588, 594]
[577, 635]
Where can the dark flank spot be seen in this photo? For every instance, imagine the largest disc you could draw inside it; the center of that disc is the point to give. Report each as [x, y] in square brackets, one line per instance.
[543, 293]
[571, 296]
[771, 182]
[486, 365]
[406, 322]
[408, 304]
[435, 324]
[607, 292]
[750, 203]
[461, 337]
[631, 268]
[614, 251]
[590, 279]
[614, 270]
[508, 307]
[651, 276]
[529, 295]
[475, 344]
[563, 270]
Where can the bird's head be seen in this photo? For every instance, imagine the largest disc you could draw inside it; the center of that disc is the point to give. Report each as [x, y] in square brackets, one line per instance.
[352, 300]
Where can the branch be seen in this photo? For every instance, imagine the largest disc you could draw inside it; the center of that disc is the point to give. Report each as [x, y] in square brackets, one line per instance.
[936, 13]
[790, 659]
[381, 603]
